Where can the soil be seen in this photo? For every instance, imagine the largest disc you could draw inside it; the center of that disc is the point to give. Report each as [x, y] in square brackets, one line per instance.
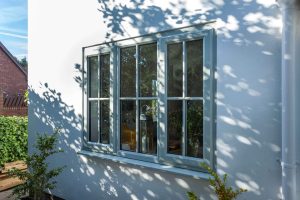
[47, 197]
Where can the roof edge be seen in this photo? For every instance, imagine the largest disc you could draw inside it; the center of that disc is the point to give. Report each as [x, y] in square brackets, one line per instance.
[13, 59]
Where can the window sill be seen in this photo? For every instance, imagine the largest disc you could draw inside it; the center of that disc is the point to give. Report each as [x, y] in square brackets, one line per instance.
[164, 168]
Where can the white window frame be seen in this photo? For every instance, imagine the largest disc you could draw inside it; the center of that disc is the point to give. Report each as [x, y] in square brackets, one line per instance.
[87, 144]
[162, 39]
[123, 153]
[208, 72]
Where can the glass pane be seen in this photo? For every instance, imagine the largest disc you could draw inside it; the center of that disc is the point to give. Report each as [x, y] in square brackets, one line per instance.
[93, 121]
[148, 127]
[128, 72]
[194, 68]
[147, 67]
[174, 68]
[104, 122]
[104, 74]
[93, 76]
[128, 125]
[175, 127]
[195, 129]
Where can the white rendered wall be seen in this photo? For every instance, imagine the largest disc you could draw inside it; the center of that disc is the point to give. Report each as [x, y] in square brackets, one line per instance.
[248, 92]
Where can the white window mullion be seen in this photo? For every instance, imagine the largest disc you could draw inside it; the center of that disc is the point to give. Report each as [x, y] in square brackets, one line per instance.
[87, 106]
[118, 111]
[113, 98]
[99, 102]
[184, 93]
[162, 99]
[136, 96]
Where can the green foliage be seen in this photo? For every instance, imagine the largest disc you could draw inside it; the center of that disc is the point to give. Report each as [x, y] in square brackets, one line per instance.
[26, 97]
[38, 178]
[13, 139]
[219, 186]
[192, 196]
[23, 62]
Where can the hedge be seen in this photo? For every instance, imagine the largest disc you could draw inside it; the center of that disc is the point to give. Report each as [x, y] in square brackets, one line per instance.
[13, 139]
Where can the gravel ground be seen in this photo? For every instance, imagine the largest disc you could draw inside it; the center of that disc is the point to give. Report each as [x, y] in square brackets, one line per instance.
[4, 194]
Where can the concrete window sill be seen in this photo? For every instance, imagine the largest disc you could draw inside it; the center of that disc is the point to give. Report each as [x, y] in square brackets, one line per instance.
[155, 166]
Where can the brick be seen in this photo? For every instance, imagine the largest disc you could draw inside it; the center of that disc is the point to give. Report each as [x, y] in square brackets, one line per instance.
[12, 81]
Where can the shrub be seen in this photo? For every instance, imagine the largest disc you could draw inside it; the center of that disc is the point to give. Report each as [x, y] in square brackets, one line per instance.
[13, 139]
[38, 177]
[219, 185]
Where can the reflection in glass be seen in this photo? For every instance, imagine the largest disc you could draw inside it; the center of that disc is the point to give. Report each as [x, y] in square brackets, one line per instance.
[104, 122]
[104, 75]
[148, 127]
[128, 125]
[128, 72]
[174, 68]
[147, 69]
[194, 68]
[195, 129]
[175, 127]
[93, 121]
[93, 76]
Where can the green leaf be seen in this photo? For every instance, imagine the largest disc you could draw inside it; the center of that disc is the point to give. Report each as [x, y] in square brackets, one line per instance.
[219, 186]
[192, 196]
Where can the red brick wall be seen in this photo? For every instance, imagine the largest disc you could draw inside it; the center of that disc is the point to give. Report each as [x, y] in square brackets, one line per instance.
[12, 79]
[10, 111]
[14, 111]
[12, 82]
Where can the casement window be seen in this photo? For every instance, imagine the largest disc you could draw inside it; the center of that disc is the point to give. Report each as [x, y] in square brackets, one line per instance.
[150, 98]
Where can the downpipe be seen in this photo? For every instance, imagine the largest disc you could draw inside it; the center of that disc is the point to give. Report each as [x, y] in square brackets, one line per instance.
[290, 95]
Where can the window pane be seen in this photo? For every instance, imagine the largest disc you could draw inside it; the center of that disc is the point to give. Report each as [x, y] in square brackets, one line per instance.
[148, 126]
[93, 121]
[147, 67]
[194, 68]
[195, 129]
[128, 72]
[174, 68]
[93, 77]
[104, 74]
[104, 122]
[175, 127]
[128, 125]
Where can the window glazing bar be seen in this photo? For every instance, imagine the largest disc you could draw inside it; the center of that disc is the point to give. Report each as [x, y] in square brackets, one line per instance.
[99, 105]
[136, 97]
[185, 98]
[97, 99]
[184, 92]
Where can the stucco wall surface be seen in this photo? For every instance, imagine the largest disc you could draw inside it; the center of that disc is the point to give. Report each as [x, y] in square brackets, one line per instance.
[248, 118]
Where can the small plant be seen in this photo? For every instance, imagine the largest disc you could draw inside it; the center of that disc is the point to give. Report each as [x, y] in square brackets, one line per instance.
[26, 96]
[219, 186]
[192, 196]
[38, 178]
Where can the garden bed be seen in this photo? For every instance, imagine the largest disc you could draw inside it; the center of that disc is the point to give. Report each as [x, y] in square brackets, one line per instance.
[47, 197]
[6, 181]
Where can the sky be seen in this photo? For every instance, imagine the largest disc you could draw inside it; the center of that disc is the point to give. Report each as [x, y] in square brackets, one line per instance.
[14, 26]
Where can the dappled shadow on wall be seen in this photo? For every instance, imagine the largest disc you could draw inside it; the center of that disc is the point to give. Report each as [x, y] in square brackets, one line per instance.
[239, 23]
[251, 30]
[47, 112]
[235, 20]
[91, 175]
